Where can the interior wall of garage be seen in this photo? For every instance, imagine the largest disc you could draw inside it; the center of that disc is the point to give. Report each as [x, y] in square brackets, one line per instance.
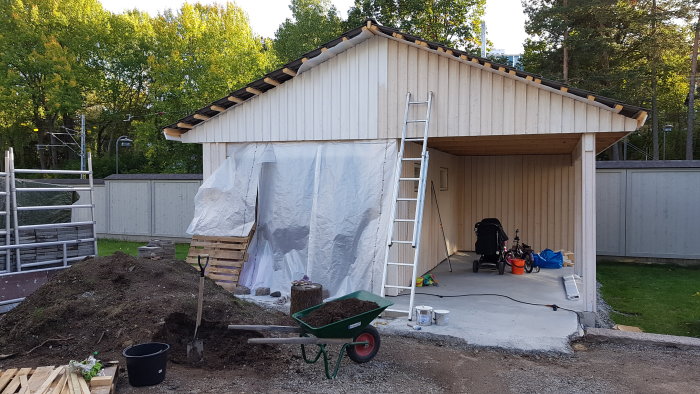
[534, 193]
[448, 200]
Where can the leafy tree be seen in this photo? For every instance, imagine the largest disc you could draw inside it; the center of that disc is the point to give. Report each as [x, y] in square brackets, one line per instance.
[456, 23]
[313, 23]
[48, 63]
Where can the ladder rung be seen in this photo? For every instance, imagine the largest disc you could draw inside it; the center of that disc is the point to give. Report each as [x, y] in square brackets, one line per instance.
[402, 242]
[398, 287]
[416, 121]
[401, 264]
[409, 179]
[412, 159]
[414, 139]
[418, 102]
[406, 199]
[404, 220]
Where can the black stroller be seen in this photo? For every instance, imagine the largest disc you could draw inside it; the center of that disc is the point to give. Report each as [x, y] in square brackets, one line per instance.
[491, 245]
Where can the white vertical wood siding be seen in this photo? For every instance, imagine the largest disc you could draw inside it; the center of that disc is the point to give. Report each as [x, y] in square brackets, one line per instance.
[337, 99]
[473, 101]
[360, 94]
[532, 193]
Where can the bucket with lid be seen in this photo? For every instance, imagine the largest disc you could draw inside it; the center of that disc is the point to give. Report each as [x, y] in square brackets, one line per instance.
[423, 315]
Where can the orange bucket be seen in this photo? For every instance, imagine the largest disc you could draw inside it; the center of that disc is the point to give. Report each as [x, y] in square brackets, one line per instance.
[517, 266]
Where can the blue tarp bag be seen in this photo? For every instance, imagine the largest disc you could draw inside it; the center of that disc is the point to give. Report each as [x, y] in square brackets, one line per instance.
[548, 259]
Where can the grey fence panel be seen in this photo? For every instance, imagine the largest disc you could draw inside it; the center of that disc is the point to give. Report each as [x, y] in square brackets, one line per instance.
[129, 207]
[173, 208]
[649, 211]
[610, 212]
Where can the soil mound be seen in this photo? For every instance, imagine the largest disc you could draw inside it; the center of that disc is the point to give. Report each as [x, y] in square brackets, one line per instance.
[109, 303]
[337, 310]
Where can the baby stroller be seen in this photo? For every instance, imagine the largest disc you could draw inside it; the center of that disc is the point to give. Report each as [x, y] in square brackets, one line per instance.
[491, 245]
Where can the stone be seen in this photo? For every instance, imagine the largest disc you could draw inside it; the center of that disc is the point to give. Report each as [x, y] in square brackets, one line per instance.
[262, 291]
[276, 294]
[241, 290]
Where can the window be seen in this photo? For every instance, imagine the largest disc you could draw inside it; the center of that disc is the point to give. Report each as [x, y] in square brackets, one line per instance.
[443, 179]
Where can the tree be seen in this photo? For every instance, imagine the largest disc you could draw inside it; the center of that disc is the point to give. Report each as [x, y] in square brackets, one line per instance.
[629, 50]
[48, 62]
[456, 23]
[202, 53]
[313, 23]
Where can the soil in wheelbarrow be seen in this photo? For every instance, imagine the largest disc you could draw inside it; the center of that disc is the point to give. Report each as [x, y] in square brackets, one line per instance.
[337, 310]
[109, 303]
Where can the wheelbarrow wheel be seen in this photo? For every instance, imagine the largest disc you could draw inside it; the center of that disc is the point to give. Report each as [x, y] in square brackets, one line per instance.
[364, 353]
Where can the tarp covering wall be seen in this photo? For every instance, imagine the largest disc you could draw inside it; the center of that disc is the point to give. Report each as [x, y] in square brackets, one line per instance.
[323, 211]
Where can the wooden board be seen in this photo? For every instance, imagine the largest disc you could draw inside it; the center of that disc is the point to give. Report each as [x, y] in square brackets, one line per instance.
[226, 257]
[55, 380]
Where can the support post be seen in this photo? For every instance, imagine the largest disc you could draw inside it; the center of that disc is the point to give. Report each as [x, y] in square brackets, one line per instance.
[585, 218]
[82, 145]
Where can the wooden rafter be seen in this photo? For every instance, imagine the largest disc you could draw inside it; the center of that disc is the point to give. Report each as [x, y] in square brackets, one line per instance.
[234, 99]
[253, 91]
[201, 117]
[172, 132]
[217, 108]
[271, 81]
[289, 72]
[184, 125]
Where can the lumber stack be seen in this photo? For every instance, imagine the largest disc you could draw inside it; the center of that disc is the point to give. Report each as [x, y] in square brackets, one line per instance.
[55, 380]
[226, 257]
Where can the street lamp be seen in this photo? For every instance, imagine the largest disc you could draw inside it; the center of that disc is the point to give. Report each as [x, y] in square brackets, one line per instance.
[667, 129]
[125, 142]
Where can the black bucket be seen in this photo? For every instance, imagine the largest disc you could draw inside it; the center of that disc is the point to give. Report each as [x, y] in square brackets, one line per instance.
[146, 362]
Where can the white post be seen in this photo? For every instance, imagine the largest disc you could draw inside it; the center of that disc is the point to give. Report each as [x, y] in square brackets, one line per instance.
[82, 145]
[585, 218]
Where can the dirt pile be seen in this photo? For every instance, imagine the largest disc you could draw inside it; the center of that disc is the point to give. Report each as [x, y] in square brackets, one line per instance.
[109, 303]
[337, 310]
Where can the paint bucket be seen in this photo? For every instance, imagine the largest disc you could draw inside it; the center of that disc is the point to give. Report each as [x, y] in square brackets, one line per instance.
[517, 266]
[424, 315]
[442, 317]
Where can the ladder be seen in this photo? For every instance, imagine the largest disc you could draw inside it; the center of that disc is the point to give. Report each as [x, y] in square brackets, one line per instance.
[397, 199]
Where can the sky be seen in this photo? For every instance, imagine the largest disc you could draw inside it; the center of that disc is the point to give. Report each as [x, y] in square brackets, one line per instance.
[504, 18]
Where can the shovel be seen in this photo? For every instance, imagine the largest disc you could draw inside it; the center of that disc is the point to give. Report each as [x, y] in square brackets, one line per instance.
[195, 349]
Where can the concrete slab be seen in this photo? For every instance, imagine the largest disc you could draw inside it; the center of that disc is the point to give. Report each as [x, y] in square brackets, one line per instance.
[491, 320]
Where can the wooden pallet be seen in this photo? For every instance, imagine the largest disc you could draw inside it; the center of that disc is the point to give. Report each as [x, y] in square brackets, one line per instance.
[226, 257]
[55, 380]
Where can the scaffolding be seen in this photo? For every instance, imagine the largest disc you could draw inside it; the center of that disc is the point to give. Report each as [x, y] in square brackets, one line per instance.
[44, 246]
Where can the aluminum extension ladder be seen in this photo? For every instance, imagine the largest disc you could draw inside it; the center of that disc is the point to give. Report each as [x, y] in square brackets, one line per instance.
[397, 199]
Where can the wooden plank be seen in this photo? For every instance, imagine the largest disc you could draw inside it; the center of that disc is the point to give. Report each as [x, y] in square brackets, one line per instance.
[225, 270]
[221, 277]
[234, 99]
[184, 125]
[217, 108]
[110, 376]
[223, 239]
[253, 91]
[49, 380]
[61, 384]
[12, 386]
[74, 383]
[216, 253]
[6, 377]
[202, 246]
[83, 385]
[289, 72]
[201, 117]
[38, 377]
[271, 81]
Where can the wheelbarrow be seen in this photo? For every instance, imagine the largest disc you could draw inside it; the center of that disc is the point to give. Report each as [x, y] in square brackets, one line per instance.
[358, 338]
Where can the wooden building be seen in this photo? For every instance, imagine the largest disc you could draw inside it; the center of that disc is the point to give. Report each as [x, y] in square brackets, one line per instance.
[503, 143]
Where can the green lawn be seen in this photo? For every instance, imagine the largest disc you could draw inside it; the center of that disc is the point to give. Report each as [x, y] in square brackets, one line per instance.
[662, 299]
[106, 247]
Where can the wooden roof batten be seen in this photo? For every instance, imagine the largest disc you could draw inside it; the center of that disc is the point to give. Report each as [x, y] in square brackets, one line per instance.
[291, 70]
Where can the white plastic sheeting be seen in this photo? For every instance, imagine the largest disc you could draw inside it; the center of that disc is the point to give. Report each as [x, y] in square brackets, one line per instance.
[323, 211]
[225, 203]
